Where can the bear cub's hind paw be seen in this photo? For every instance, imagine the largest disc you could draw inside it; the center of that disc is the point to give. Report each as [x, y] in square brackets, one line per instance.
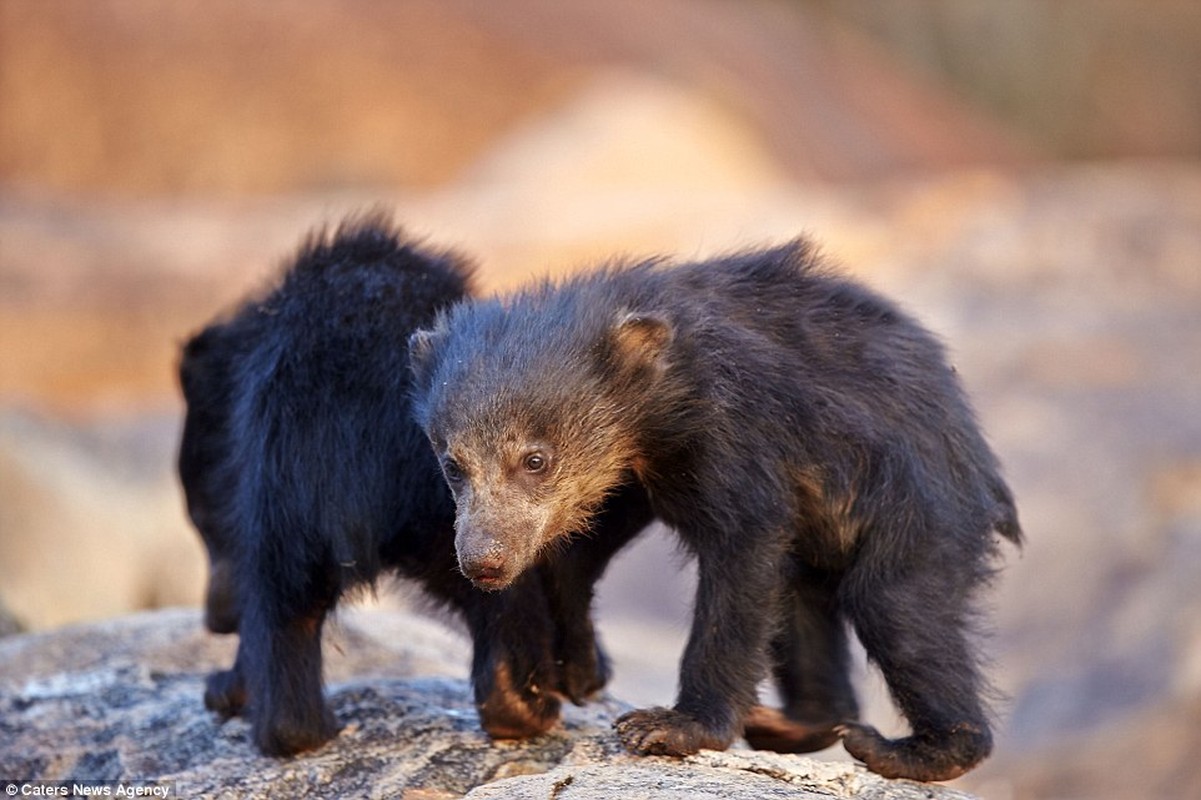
[225, 693]
[287, 737]
[918, 758]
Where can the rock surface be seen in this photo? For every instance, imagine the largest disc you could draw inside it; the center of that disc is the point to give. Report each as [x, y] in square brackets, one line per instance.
[121, 700]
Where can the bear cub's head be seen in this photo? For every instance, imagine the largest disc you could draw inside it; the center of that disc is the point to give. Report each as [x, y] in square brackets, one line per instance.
[532, 407]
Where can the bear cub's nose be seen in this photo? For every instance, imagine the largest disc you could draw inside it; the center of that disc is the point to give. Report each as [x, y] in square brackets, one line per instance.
[486, 570]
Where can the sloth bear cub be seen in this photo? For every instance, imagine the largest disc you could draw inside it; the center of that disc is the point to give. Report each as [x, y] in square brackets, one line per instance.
[807, 441]
[306, 477]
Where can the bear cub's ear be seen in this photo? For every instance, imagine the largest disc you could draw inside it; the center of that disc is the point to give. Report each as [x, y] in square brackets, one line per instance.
[422, 344]
[641, 340]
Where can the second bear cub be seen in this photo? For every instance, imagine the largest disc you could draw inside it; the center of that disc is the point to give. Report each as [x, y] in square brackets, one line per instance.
[307, 479]
[805, 438]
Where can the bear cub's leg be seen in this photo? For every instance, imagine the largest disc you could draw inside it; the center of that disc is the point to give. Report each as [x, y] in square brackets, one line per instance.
[279, 669]
[931, 669]
[513, 673]
[738, 588]
[811, 668]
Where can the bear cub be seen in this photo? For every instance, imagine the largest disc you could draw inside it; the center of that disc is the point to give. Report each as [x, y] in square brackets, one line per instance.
[307, 477]
[807, 441]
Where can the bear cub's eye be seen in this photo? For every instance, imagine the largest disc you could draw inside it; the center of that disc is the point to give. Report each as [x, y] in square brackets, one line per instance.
[535, 462]
[452, 471]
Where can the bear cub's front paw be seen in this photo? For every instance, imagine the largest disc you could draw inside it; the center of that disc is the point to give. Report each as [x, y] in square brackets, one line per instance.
[511, 711]
[666, 732]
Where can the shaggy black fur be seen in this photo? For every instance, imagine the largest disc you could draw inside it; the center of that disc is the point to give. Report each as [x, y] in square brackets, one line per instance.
[805, 438]
[307, 477]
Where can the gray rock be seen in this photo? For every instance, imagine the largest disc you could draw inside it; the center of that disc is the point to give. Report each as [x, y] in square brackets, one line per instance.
[709, 775]
[121, 701]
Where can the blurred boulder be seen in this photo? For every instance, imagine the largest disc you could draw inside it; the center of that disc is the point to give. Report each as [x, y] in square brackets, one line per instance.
[92, 520]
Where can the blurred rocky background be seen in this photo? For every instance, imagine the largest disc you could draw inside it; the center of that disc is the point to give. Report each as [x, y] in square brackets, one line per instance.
[1025, 176]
